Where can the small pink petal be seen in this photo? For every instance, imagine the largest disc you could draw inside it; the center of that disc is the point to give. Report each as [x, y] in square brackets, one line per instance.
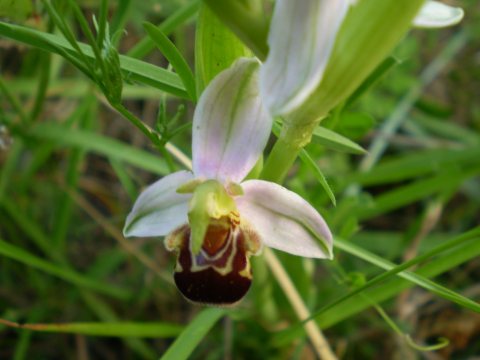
[159, 209]
[284, 220]
[230, 125]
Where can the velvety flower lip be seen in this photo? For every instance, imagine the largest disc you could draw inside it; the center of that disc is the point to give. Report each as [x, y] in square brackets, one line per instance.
[213, 220]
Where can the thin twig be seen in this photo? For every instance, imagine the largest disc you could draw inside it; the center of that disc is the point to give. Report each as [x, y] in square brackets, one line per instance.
[149, 132]
[319, 342]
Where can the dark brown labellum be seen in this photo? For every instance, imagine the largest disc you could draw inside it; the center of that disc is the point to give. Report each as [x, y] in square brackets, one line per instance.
[220, 273]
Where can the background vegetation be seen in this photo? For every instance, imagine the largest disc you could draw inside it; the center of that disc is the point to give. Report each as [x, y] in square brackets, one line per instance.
[406, 219]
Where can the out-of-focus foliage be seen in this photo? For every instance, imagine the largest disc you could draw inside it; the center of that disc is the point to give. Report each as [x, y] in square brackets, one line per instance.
[71, 167]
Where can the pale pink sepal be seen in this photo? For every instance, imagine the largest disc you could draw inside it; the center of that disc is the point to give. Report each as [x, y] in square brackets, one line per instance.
[284, 220]
[159, 209]
[230, 125]
[301, 38]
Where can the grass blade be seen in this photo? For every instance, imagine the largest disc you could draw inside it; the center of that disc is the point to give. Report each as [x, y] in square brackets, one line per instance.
[111, 329]
[99, 144]
[415, 191]
[414, 278]
[181, 16]
[332, 140]
[178, 62]
[419, 280]
[136, 70]
[346, 309]
[373, 79]
[193, 334]
[307, 160]
[21, 255]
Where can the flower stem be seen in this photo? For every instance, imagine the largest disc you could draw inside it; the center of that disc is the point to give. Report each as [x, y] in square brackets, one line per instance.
[145, 129]
[291, 140]
[279, 161]
[318, 340]
[294, 136]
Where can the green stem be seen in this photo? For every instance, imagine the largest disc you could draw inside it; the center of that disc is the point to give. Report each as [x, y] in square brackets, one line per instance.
[102, 23]
[147, 130]
[279, 161]
[295, 135]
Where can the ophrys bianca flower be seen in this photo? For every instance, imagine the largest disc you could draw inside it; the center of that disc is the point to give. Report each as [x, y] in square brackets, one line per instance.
[212, 217]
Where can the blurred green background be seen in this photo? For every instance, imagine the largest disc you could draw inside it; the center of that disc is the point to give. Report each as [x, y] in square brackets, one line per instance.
[71, 167]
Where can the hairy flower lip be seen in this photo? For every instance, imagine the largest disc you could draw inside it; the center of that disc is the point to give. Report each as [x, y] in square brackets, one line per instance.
[221, 280]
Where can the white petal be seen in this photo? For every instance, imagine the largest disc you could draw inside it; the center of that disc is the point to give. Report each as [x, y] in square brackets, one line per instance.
[230, 125]
[159, 209]
[437, 15]
[301, 38]
[284, 220]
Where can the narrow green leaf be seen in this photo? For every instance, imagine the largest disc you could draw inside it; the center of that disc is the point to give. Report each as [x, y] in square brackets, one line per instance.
[423, 163]
[170, 51]
[179, 17]
[99, 144]
[28, 259]
[113, 329]
[419, 280]
[413, 192]
[103, 311]
[75, 159]
[31, 228]
[77, 87]
[119, 18]
[335, 141]
[307, 160]
[455, 252]
[381, 70]
[135, 69]
[184, 345]
[9, 167]
[449, 130]
[125, 179]
[399, 114]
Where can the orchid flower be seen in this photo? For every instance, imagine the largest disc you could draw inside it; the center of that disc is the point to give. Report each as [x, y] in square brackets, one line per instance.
[301, 39]
[212, 217]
